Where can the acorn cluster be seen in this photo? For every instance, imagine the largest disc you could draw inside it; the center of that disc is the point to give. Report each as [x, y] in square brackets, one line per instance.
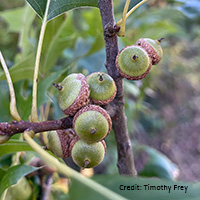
[134, 62]
[81, 97]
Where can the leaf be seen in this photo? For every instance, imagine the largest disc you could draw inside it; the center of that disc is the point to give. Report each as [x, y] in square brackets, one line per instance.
[84, 192]
[14, 146]
[58, 37]
[191, 9]
[58, 7]
[159, 165]
[44, 85]
[13, 174]
[14, 18]
[2, 172]
[21, 70]
[138, 191]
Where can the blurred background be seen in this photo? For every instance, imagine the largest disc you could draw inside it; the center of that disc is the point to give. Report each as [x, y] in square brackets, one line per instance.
[163, 112]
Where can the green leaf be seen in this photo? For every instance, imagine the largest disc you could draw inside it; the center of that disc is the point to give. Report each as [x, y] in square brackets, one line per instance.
[13, 18]
[191, 9]
[21, 70]
[117, 183]
[44, 85]
[14, 146]
[58, 37]
[13, 175]
[159, 165]
[2, 172]
[58, 7]
[84, 192]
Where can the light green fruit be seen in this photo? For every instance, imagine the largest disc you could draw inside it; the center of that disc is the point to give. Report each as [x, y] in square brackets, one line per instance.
[133, 62]
[153, 48]
[92, 123]
[54, 144]
[73, 93]
[69, 93]
[102, 88]
[72, 77]
[59, 142]
[88, 155]
[20, 191]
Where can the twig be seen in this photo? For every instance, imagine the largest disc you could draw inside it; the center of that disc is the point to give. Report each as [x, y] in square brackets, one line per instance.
[125, 155]
[15, 127]
[46, 187]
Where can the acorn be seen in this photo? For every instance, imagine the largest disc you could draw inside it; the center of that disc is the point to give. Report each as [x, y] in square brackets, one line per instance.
[74, 93]
[102, 88]
[59, 142]
[88, 155]
[153, 48]
[22, 190]
[133, 62]
[92, 123]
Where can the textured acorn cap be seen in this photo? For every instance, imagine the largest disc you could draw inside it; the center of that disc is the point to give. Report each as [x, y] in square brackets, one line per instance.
[102, 88]
[88, 155]
[59, 142]
[133, 62]
[74, 94]
[153, 48]
[92, 123]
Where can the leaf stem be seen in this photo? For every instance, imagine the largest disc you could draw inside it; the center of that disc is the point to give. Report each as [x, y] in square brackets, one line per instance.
[64, 169]
[13, 108]
[34, 115]
[122, 21]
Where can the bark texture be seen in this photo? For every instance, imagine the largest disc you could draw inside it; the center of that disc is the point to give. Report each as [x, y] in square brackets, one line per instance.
[125, 156]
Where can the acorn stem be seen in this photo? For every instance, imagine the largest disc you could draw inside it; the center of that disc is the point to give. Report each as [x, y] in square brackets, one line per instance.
[92, 131]
[160, 40]
[87, 162]
[59, 87]
[135, 57]
[100, 77]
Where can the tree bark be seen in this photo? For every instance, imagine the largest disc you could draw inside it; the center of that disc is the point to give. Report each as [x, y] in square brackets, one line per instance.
[125, 156]
[15, 127]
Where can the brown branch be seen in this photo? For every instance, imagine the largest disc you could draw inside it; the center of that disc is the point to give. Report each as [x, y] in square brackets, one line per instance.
[46, 187]
[15, 127]
[125, 155]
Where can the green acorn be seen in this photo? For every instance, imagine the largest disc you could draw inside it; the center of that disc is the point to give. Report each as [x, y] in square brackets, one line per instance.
[88, 155]
[133, 62]
[102, 88]
[59, 142]
[20, 191]
[153, 48]
[92, 123]
[74, 93]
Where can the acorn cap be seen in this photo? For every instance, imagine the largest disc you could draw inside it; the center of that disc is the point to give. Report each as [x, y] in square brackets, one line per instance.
[88, 155]
[59, 142]
[153, 48]
[74, 94]
[102, 88]
[133, 62]
[92, 123]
